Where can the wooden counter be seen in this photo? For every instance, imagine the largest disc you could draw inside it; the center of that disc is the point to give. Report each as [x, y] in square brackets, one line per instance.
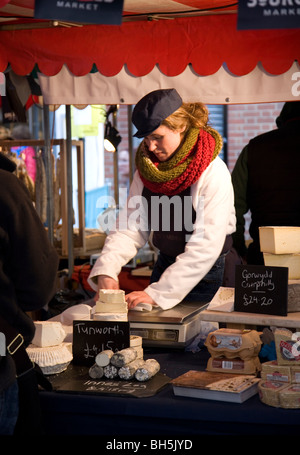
[234, 318]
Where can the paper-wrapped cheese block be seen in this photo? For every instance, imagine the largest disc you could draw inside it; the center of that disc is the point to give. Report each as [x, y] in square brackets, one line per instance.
[295, 374]
[269, 392]
[48, 333]
[291, 261]
[271, 371]
[279, 239]
[231, 343]
[289, 397]
[51, 359]
[237, 365]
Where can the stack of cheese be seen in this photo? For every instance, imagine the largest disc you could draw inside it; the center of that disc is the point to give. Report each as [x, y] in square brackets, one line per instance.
[125, 364]
[280, 246]
[48, 349]
[111, 306]
[280, 379]
[234, 351]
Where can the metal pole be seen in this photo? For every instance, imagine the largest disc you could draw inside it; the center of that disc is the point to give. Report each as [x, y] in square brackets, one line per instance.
[130, 144]
[116, 165]
[49, 173]
[69, 191]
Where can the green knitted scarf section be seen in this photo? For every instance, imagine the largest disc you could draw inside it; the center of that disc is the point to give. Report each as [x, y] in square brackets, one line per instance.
[177, 164]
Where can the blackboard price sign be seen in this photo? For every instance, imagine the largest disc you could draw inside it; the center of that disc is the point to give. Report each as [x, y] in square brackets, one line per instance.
[261, 289]
[92, 337]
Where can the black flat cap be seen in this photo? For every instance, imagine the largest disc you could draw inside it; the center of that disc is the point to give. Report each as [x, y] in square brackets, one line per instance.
[153, 108]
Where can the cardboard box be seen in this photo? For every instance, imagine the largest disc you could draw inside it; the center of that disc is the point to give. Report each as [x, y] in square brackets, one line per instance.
[279, 239]
[291, 261]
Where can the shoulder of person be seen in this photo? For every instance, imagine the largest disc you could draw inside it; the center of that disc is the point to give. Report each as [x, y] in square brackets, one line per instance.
[11, 185]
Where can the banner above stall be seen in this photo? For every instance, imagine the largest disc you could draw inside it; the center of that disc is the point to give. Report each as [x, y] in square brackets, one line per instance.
[90, 12]
[268, 14]
[182, 44]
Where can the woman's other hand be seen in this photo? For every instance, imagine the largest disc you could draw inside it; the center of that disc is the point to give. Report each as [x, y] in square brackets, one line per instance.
[135, 297]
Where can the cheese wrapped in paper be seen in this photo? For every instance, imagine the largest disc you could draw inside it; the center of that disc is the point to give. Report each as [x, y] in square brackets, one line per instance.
[232, 343]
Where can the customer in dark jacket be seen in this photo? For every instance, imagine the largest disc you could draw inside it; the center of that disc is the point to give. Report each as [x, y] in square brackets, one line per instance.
[266, 181]
[28, 266]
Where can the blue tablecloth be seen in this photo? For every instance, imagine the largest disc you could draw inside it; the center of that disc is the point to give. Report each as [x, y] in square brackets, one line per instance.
[164, 413]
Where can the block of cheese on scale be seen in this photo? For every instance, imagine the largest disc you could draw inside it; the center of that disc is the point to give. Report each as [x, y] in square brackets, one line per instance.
[279, 239]
[48, 333]
[111, 317]
[111, 301]
[112, 295]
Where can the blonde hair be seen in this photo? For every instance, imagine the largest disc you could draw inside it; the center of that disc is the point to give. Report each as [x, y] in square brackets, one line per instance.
[189, 115]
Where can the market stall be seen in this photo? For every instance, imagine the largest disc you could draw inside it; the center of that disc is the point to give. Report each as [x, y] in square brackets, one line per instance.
[118, 64]
[114, 64]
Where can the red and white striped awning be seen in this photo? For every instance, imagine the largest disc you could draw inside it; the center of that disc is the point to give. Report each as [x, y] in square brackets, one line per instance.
[199, 52]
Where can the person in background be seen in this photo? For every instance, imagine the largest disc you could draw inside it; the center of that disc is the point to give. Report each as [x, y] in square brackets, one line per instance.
[28, 268]
[177, 161]
[266, 182]
[26, 152]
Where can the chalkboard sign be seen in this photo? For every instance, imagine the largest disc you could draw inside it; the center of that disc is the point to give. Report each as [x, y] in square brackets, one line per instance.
[92, 337]
[261, 289]
[116, 387]
[75, 379]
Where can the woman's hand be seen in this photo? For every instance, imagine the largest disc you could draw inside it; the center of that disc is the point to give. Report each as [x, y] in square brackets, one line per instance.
[105, 282]
[135, 297]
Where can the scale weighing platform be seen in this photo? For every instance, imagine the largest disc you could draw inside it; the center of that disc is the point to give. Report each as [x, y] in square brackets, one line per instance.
[175, 327]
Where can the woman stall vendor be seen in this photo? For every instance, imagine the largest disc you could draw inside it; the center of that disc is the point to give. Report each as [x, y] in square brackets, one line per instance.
[186, 200]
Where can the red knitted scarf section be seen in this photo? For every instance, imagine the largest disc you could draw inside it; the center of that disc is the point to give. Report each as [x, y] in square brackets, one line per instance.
[201, 153]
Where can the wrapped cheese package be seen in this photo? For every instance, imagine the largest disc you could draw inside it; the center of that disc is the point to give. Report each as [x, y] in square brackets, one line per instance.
[236, 365]
[287, 346]
[231, 343]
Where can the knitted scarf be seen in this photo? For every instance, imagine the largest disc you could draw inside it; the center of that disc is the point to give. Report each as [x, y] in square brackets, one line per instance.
[183, 169]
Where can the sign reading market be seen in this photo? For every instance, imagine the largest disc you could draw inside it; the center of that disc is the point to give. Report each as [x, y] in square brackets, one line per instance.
[107, 12]
[268, 14]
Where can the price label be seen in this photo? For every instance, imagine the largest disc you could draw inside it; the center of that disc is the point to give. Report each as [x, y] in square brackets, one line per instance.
[261, 289]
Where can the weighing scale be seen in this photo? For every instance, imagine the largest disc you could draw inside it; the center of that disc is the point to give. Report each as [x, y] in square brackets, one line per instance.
[175, 327]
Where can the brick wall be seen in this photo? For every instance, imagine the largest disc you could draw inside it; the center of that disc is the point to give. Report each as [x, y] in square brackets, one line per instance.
[122, 126]
[247, 121]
